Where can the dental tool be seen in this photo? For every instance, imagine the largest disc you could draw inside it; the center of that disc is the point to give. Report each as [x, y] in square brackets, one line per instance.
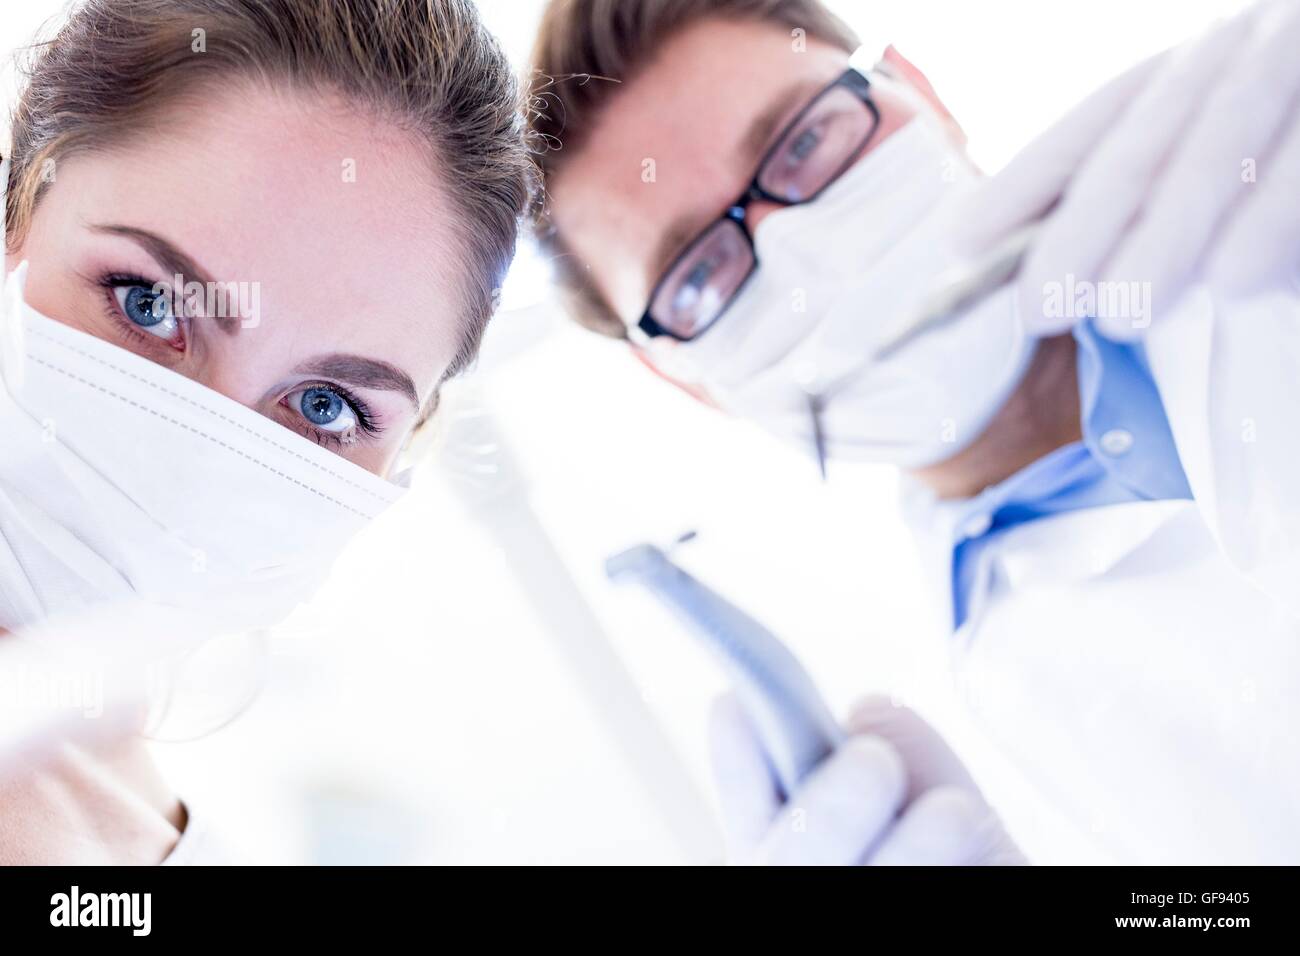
[795, 726]
[481, 469]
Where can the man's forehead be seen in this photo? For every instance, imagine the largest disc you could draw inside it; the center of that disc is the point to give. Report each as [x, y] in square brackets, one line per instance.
[702, 93]
[676, 143]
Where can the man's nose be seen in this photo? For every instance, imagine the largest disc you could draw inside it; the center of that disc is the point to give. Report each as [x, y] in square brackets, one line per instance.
[757, 211]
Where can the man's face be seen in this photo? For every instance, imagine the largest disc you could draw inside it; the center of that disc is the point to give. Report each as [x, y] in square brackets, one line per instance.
[680, 142]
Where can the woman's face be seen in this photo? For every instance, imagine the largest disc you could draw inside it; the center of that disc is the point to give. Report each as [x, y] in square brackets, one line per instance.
[324, 248]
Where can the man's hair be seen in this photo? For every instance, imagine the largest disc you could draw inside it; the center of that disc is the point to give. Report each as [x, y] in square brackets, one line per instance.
[584, 50]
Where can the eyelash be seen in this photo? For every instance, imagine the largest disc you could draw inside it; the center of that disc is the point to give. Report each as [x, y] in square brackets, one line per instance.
[365, 418]
[116, 280]
[366, 422]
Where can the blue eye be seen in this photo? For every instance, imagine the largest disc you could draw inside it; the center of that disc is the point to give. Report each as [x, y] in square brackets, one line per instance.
[325, 408]
[700, 274]
[321, 407]
[143, 307]
[150, 310]
[804, 144]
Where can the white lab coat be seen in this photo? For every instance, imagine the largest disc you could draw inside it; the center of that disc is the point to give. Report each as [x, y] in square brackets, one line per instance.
[1141, 661]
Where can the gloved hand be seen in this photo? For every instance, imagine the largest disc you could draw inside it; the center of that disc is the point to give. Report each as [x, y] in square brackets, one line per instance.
[892, 794]
[75, 679]
[1187, 164]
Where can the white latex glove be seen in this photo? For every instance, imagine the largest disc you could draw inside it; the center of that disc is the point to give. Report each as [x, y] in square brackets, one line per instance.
[74, 680]
[1154, 174]
[892, 794]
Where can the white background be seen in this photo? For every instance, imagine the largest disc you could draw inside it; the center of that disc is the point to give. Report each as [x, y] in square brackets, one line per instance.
[422, 711]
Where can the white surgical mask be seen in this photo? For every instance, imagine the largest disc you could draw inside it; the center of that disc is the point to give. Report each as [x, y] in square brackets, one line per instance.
[122, 481]
[835, 277]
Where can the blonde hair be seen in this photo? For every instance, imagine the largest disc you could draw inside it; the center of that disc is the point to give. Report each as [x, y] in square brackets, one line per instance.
[429, 65]
[582, 46]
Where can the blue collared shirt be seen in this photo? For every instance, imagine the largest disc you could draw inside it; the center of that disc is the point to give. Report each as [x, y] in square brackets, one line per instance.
[1127, 454]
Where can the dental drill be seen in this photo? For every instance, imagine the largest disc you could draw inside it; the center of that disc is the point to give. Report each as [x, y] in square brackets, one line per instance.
[795, 726]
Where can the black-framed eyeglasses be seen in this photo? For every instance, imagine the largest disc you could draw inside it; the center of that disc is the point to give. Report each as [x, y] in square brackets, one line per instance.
[813, 151]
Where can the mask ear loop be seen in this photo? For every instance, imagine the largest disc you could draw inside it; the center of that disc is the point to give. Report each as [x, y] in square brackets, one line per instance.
[13, 352]
[428, 433]
[869, 58]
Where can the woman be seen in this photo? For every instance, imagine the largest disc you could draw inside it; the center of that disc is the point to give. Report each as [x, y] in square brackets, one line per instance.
[247, 242]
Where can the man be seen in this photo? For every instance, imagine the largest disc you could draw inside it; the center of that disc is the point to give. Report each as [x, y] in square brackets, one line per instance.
[759, 219]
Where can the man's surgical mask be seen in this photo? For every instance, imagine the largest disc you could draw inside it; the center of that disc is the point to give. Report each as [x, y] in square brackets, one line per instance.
[122, 481]
[835, 277]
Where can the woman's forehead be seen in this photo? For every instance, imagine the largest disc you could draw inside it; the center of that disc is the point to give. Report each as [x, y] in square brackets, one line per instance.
[339, 222]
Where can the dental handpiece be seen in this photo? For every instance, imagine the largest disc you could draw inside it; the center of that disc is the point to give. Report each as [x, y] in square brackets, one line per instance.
[795, 726]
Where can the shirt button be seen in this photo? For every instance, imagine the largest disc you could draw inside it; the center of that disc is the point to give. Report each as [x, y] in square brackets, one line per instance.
[1116, 442]
[976, 525]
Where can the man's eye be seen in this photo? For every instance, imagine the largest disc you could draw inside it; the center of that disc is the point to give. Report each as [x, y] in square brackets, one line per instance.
[150, 310]
[691, 289]
[324, 408]
[700, 273]
[804, 145]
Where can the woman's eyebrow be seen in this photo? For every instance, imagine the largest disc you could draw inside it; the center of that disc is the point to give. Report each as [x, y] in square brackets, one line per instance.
[362, 372]
[352, 369]
[172, 260]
